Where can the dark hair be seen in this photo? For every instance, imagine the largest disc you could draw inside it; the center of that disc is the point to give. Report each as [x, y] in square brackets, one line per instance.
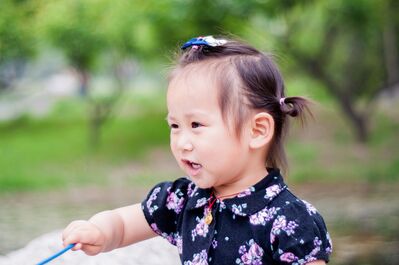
[259, 81]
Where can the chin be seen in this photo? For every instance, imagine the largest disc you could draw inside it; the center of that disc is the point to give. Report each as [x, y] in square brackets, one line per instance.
[200, 184]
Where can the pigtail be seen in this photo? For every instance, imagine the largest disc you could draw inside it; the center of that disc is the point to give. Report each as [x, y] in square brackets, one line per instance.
[296, 107]
[288, 106]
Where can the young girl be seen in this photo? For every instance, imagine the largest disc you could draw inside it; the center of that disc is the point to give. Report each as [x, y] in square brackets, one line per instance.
[227, 113]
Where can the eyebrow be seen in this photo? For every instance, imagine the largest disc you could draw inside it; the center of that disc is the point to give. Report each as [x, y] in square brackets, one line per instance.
[188, 115]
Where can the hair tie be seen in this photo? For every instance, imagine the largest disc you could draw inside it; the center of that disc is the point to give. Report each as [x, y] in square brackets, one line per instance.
[207, 41]
[282, 101]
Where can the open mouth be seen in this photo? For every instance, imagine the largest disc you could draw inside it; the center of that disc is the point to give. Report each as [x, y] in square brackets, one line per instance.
[192, 167]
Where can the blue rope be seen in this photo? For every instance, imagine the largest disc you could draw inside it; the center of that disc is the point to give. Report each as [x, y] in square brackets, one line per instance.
[56, 254]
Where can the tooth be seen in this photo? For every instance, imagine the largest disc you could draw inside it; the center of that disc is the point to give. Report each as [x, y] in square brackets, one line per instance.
[196, 166]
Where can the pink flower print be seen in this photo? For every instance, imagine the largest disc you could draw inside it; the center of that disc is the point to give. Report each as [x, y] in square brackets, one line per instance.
[153, 196]
[280, 224]
[310, 208]
[190, 190]
[317, 243]
[201, 202]
[173, 238]
[170, 238]
[330, 248]
[246, 258]
[174, 202]
[272, 191]
[311, 256]
[288, 257]
[198, 259]
[201, 229]
[155, 228]
[263, 216]
[246, 192]
[255, 250]
[179, 243]
[290, 228]
[272, 238]
[214, 243]
[310, 260]
[251, 257]
[237, 209]
[242, 250]
[222, 206]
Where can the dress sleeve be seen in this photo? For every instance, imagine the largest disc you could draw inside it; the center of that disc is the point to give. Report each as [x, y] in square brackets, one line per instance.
[299, 235]
[164, 205]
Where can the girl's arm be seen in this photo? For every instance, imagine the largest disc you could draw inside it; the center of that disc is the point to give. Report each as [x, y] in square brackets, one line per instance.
[317, 262]
[135, 226]
[108, 230]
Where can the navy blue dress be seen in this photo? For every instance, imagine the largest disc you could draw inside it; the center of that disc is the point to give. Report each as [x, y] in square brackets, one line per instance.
[265, 224]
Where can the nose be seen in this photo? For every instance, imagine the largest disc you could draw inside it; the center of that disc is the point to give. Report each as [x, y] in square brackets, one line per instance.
[184, 143]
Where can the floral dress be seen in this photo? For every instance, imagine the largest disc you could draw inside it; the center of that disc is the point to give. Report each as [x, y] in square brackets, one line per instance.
[265, 224]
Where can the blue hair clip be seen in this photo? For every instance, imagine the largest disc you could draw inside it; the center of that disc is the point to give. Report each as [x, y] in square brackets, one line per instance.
[207, 41]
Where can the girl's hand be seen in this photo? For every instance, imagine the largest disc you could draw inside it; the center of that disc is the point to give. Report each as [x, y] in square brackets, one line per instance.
[108, 230]
[87, 236]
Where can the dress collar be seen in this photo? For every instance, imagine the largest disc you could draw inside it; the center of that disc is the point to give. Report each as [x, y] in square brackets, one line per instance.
[248, 202]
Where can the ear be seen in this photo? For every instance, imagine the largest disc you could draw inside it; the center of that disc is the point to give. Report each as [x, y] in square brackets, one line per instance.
[262, 130]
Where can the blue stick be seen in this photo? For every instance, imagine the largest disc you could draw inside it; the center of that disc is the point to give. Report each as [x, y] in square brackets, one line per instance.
[56, 254]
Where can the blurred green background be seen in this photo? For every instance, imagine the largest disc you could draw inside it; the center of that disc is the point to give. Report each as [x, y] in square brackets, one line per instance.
[82, 108]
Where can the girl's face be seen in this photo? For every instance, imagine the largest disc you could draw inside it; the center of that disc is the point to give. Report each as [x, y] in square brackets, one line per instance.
[203, 145]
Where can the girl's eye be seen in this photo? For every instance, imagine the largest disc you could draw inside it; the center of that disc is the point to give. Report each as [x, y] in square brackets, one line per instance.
[195, 125]
[174, 126]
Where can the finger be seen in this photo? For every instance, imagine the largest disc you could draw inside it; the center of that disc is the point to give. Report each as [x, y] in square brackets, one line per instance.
[89, 236]
[74, 233]
[79, 239]
[71, 239]
[84, 235]
[78, 246]
[91, 250]
[72, 226]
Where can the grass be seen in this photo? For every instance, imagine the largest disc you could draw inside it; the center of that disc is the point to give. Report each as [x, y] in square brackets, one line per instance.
[328, 152]
[53, 151]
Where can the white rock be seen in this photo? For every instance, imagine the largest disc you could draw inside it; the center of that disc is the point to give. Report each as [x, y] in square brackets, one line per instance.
[150, 252]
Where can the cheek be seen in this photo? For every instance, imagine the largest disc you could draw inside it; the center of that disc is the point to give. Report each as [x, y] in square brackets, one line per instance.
[221, 150]
[172, 144]
[224, 142]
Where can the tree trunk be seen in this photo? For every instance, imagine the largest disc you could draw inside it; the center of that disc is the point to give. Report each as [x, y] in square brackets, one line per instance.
[391, 54]
[357, 120]
[100, 112]
[96, 122]
[83, 76]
